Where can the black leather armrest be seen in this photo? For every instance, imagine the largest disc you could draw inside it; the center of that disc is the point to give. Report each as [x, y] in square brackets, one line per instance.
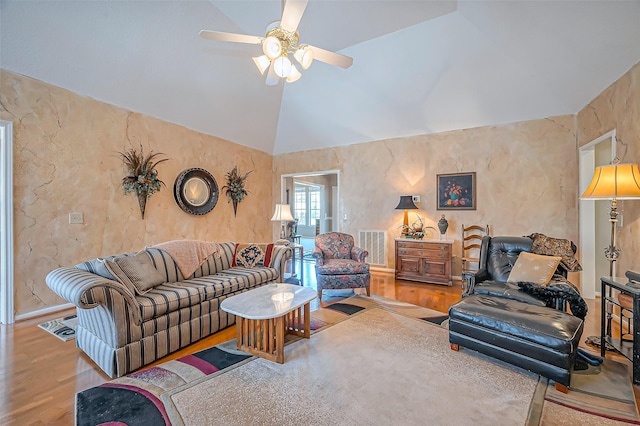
[473, 279]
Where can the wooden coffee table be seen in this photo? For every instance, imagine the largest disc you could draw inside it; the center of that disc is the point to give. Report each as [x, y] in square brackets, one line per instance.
[265, 314]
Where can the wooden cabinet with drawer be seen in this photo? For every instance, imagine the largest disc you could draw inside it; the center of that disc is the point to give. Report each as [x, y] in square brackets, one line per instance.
[427, 261]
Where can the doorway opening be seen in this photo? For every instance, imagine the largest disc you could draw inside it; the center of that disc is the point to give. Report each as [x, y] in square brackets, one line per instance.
[595, 231]
[314, 203]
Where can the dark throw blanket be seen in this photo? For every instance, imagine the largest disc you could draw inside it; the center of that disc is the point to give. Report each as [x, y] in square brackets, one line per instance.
[549, 294]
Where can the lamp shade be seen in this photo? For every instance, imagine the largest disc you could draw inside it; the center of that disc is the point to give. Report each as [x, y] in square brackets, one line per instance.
[294, 75]
[282, 66]
[304, 56]
[617, 181]
[262, 62]
[406, 203]
[272, 47]
[282, 213]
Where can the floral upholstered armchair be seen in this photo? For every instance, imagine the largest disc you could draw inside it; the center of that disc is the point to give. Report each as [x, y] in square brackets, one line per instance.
[340, 265]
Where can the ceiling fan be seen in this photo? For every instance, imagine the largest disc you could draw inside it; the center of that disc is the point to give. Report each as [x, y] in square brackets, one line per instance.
[280, 41]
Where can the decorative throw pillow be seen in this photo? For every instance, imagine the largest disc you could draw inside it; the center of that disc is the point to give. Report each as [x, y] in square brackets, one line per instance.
[534, 268]
[555, 247]
[250, 255]
[119, 275]
[136, 272]
[98, 267]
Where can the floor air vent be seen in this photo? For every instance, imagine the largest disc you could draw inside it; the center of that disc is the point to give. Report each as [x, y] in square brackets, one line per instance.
[374, 242]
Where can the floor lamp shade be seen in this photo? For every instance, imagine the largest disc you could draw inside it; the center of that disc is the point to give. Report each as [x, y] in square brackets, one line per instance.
[614, 182]
[406, 204]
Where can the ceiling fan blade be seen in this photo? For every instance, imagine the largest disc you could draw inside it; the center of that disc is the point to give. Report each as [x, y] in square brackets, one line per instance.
[272, 77]
[331, 58]
[292, 13]
[237, 38]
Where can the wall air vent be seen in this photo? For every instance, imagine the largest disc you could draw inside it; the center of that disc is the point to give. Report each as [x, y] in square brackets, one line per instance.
[375, 243]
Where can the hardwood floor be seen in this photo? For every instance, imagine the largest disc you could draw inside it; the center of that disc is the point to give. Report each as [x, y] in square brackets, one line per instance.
[40, 374]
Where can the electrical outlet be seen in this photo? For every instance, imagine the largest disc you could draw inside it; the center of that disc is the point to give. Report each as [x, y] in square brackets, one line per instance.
[76, 218]
[416, 198]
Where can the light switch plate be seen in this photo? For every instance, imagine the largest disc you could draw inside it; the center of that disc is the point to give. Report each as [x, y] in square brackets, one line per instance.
[76, 218]
[416, 198]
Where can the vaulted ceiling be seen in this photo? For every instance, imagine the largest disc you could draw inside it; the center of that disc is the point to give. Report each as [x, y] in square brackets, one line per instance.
[418, 66]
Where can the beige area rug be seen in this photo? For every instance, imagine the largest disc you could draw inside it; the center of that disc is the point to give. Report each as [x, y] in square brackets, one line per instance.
[376, 367]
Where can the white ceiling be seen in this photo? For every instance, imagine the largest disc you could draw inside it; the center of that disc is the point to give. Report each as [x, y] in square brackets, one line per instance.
[419, 66]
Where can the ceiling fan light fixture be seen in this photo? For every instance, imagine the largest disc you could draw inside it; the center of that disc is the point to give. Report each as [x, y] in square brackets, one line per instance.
[304, 56]
[262, 62]
[272, 47]
[294, 75]
[282, 66]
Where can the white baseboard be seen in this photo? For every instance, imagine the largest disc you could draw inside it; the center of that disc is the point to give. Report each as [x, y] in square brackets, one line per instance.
[44, 311]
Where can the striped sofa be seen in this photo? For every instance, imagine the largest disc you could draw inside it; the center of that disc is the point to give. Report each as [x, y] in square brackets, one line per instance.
[122, 331]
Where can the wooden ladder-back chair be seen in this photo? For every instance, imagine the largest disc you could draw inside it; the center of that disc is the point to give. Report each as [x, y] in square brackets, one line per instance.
[471, 242]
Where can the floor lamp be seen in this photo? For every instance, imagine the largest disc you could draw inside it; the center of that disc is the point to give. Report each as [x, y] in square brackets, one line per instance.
[282, 215]
[614, 182]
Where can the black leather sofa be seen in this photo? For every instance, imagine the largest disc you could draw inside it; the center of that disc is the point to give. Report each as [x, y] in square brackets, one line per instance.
[517, 323]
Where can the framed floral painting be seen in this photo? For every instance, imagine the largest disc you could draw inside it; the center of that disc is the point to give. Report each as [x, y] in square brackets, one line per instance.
[456, 191]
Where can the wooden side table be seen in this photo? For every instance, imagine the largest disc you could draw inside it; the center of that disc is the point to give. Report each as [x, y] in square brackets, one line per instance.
[300, 248]
[629, 349]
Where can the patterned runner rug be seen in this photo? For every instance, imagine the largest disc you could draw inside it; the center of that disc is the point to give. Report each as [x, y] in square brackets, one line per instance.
[599, 395]
[63, 328]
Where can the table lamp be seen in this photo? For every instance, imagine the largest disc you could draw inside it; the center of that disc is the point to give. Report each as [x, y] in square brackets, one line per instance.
[282, 214]
[406, 204]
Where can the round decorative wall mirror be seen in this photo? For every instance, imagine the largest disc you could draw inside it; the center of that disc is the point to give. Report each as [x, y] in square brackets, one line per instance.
[196, 191]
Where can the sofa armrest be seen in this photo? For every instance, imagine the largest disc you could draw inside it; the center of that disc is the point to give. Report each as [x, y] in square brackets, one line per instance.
[473, 279]
[316, 253]
[358, 254]
[87, 290]
[280, 256]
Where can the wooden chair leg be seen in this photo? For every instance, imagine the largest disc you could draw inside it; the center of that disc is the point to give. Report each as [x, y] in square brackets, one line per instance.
[455, 347]
[368, 291]
[561, 388]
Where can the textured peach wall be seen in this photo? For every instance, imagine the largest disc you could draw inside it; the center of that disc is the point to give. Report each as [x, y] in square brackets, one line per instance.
[618, 107]
[65, 161]
[527, 176]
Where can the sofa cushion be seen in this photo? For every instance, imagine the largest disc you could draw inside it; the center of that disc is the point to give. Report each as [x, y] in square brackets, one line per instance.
[506, 290]
[502, 254]
[165, 264]
[136, 271]
[342, 267]
[213, 286]
[215, 264]
[250, 277]
[546, 327]
[167, 298]
[249, 255]
[534, 268]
